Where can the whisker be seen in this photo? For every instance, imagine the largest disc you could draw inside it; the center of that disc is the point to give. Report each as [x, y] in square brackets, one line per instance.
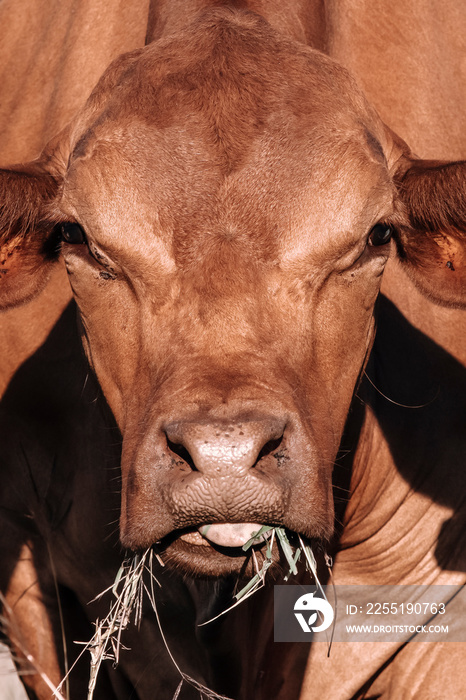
[397, 403]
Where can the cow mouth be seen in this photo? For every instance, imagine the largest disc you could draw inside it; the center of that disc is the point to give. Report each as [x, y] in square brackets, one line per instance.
[216, 549]
[213, 549]
[225, 535]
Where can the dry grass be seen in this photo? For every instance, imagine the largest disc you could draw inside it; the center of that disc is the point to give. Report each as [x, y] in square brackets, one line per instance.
[292, 556]
[130, 588]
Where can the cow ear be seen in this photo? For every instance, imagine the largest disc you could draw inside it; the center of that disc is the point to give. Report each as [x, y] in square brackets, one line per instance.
[432, 227]
[28, 246]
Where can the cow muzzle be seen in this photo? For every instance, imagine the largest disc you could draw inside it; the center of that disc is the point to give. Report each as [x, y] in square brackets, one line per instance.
[222, 456]
[210, 483]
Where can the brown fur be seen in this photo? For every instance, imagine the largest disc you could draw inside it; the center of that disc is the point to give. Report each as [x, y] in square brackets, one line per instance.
[27, 218]
[432, 240]
[227, 177]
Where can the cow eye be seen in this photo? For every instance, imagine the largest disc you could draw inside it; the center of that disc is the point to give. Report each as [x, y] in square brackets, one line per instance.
[73, 233]
[380, 234]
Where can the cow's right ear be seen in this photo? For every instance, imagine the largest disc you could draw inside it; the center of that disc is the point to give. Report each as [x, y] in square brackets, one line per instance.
[28, 242]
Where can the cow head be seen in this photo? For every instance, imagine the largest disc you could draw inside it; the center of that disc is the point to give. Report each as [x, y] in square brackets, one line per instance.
[226, 203]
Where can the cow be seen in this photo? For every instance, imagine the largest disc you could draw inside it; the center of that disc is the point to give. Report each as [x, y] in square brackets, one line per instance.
[236, 218]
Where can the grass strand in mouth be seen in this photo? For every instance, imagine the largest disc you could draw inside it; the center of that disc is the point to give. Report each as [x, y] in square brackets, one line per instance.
[292, 557]
[129, 589]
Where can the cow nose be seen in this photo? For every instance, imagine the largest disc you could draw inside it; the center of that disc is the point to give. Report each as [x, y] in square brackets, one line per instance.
[224, 448]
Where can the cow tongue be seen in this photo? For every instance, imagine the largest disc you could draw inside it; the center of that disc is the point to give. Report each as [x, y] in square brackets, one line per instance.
[229, 534]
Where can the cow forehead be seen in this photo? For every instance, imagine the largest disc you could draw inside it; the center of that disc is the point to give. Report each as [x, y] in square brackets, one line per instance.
[264, 206]
[253, 139]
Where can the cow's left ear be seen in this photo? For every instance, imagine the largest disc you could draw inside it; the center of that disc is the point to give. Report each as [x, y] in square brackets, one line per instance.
[432, 227]
[28, 246]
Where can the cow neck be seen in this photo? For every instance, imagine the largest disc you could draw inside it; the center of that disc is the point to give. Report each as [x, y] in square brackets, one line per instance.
[404, 521]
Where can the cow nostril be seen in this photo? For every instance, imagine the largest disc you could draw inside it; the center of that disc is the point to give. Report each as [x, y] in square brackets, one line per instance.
[218, 448]
[269, 447]
[182, 452]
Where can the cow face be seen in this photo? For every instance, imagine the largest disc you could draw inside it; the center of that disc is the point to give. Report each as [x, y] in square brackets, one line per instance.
[227, 208]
